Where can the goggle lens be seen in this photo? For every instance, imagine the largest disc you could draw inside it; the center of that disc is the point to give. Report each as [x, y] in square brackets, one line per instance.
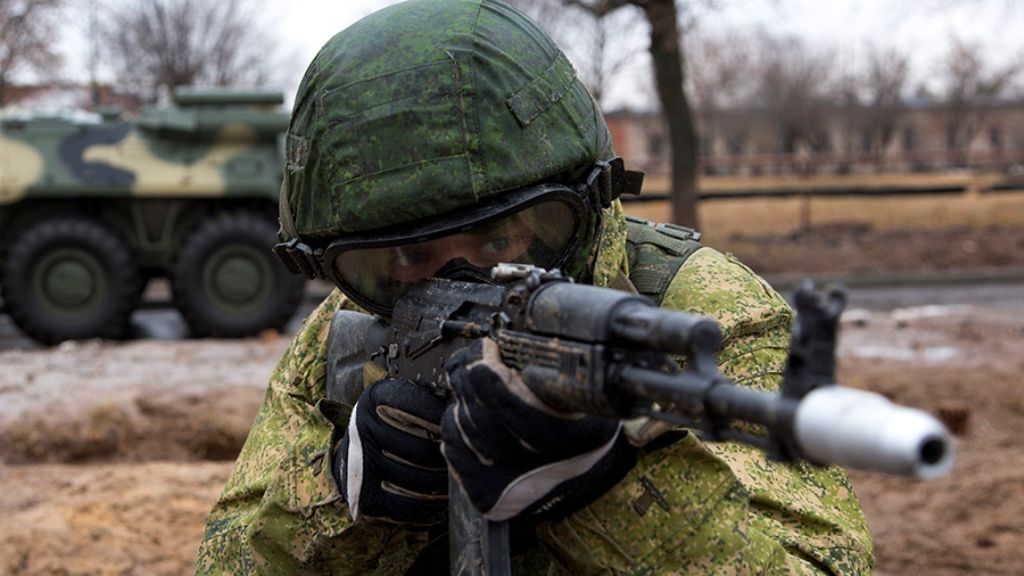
[540, 234]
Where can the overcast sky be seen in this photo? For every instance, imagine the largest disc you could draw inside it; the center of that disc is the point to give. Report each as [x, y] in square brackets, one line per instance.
[920, 28]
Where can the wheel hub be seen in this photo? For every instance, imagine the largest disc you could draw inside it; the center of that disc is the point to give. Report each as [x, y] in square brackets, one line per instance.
[69, 281]
[238, 280]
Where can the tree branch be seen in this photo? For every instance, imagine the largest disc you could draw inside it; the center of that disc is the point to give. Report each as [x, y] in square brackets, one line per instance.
[600, 8]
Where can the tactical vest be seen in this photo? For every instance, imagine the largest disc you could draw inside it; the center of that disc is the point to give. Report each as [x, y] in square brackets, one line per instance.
[655, 253]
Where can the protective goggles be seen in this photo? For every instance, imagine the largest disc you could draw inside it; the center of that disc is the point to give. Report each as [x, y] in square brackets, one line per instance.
[541, 225]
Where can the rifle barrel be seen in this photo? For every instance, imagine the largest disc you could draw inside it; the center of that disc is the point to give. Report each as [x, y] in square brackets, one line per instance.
[863, 430]
[830, 425]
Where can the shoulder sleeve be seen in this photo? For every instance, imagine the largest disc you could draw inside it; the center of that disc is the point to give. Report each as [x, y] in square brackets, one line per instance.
[713, 508]
[280, 512]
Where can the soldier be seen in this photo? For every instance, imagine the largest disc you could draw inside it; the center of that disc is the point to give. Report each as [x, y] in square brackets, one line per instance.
[437, 138]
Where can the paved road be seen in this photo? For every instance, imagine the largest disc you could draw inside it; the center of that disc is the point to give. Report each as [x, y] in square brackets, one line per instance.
[164, 323]
[1000, 294]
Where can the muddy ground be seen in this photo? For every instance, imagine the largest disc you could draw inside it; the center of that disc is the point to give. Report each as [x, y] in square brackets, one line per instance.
[112, 452]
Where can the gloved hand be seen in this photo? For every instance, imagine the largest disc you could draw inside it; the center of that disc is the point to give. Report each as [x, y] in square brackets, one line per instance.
[512, 454]
[389, 464]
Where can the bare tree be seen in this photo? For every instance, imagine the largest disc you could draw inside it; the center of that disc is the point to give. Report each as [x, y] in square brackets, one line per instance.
[666, 53]
[610, 55]
[601, 47]
[667, 21]
[972, 87]
[721, 80]
[850, 120]
[156, 45]
[869, 103]
[721, 69]
[794, 89]
[26, 38]
[885, 84]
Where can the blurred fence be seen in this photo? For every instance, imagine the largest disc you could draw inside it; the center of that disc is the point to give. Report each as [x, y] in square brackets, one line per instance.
[1003, 160]
[779, 205]
[808, 184]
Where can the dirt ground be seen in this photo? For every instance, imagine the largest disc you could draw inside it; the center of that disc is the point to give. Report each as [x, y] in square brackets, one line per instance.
[111, 453]
[854, 249]
[962, 363]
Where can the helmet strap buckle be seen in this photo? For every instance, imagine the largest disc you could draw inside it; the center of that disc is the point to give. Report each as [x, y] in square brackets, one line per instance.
[299, 258]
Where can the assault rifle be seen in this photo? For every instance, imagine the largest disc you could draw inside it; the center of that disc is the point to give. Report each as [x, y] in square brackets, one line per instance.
[610, 353]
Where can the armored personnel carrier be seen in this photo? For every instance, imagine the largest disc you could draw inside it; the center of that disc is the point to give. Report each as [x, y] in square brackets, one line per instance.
[92, 207]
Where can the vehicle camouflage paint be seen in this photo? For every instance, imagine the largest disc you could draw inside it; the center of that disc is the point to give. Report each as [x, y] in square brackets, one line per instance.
[92, 206]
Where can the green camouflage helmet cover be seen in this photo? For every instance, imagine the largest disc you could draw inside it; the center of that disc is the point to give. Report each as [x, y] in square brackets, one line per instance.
[426, 107]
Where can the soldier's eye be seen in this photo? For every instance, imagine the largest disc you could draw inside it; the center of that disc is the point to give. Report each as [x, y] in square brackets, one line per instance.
[497, 244]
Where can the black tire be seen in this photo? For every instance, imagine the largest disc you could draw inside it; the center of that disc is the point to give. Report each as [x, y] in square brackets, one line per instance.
[227, 282]
[70, 277]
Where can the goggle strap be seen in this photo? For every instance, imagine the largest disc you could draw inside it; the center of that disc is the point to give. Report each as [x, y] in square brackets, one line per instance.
[610, 180]
[299, 258]
[631, 183]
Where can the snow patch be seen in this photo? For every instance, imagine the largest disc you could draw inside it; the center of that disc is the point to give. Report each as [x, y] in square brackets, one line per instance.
[930, 311]
[929, 355]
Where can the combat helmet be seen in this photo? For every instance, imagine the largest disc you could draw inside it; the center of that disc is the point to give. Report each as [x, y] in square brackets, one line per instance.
[433, 121]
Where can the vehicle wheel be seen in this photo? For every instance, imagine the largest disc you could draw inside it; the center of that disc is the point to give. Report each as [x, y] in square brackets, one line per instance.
[227, 282]
[70, 277]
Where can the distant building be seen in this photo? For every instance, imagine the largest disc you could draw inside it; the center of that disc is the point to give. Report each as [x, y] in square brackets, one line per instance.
[917, 137]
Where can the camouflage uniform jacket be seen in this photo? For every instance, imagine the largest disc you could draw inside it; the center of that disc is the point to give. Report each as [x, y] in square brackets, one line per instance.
[689, 508]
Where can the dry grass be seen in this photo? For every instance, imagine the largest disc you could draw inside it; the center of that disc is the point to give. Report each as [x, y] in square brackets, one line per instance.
[724, 219]
[953, 178]
[862, 234]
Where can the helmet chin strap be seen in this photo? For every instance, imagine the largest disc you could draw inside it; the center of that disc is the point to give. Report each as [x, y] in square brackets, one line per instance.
[461, 269]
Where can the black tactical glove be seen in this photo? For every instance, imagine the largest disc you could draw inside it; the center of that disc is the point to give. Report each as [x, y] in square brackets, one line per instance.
[389, 464]
[515, 456]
